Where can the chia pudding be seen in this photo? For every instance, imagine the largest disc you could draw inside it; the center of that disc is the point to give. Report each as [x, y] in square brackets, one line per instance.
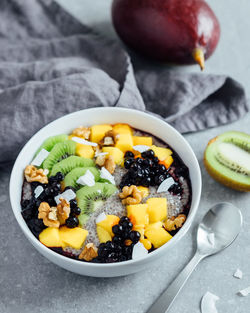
[105, 193]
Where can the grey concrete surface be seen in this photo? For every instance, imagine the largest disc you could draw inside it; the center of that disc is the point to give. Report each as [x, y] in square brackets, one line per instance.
[30, 283]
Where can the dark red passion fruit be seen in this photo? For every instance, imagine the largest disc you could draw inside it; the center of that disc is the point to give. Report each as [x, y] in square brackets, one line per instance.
[175, 31]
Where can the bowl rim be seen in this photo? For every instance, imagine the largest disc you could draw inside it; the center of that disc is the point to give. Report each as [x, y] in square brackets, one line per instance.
[37, 244]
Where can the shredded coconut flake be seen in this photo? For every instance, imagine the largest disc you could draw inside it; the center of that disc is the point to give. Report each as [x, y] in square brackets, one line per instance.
[238, 274]
[105, 174]
[46, 171]
[67, 195]
[139, 251]
[42, 155]
[208, 303]
[211, 238]
[97, 154]
[165, 185]
[38, 191]
[84, 142]
[101, 217]
[244, 292]
[141, 148]
[87, 179]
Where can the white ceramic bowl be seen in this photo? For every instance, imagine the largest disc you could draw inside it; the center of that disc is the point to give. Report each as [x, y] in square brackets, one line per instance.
[66, 124]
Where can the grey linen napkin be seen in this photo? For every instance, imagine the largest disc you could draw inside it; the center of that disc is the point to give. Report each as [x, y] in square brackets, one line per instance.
[51, 65]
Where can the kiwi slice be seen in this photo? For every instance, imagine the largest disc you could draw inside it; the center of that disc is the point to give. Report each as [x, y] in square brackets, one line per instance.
[60, 151]
[68, 164]
[71, 178]
[91, 198]
[49, 143]
[227, 159]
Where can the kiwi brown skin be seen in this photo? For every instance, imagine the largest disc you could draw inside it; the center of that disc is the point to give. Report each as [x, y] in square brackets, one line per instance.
[222, 178]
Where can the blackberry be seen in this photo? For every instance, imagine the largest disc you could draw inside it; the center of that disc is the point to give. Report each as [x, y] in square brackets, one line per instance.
[117, 229]
[149, 154]
[175, 189]
[75, 210]
[134, 236]
[128, 163]
[129, 154]
[72, 222]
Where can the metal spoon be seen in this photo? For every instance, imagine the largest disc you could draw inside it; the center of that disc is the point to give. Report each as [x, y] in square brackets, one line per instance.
[218, 229]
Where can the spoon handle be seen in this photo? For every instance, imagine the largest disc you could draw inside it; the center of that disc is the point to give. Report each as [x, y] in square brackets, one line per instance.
[163, 303]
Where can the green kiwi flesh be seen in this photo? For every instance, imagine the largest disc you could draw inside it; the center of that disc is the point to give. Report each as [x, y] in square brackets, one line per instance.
[227, 159]
[49, 143]
[91, 198]
[68, 164]
[71, 178]
[60, 151]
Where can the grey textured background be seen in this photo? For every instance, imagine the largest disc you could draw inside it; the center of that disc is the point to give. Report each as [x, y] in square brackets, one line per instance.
[29, 283]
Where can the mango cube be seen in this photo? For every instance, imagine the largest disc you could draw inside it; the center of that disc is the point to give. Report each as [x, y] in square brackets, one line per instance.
[108, 223]
[103, 234]
[158, 237]
[161, 153]
[85, 151]
[145, 141]
[144, 191]
[124, 142]
[138, 214]
[168, 161]
[147, 244]
[122, 129]
[157, 209]
[116, 153]
[153, 226]
[50, 237]
[98, 132]
[73, 237]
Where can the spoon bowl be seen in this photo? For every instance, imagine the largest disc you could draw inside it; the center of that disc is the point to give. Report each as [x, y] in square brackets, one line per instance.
[218, 228]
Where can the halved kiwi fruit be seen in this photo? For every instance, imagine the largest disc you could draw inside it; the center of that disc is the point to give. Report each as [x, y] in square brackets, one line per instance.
[71, 178]
[59, 152]
[227, 159]
[68, 164]
[50, 142]
[91, 198]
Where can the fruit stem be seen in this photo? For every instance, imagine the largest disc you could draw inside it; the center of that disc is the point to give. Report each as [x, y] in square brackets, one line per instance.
[198, 56]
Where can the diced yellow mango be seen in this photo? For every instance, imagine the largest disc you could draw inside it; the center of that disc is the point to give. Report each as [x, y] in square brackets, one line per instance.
[161, 153]
[144, 191]
[50, 237]
[73, 237]
[138, 214]
[153, 226]
[103, 234]
[157, 209]
[145, 141]
[116, 153]
[124, 142]
[108, 223]
[98, 132]
[85, 151]
[158, 237]
[147, 244]
[122, 129]
[168, 161]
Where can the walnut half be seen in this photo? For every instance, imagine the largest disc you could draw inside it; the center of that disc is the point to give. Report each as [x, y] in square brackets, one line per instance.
[81, 131]
[175, 222]
[89, 252]
[32, 173]
[109, 139]
[48, 215]
[130, 195]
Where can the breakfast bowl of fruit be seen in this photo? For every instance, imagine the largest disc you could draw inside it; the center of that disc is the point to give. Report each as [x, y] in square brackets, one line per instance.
[105, 191]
